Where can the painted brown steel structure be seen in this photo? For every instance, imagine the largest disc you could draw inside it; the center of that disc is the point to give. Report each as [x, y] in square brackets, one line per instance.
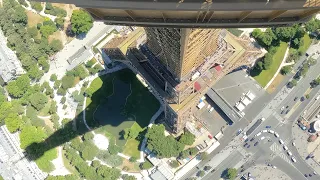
[199, 13]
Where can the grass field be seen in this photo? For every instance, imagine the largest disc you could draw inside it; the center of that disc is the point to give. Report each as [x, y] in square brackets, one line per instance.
[306, 43]
[119, 101]
[266, 75]
[34, 19]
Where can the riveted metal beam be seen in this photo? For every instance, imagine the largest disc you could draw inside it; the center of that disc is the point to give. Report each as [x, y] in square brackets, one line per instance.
[276, 14]
[244, 15]
[130, 14]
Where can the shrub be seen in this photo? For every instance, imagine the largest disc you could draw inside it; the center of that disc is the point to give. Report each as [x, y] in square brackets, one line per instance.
[61, 92]
[63, 100]
[133, 159]
[53, 77]
[112, 160]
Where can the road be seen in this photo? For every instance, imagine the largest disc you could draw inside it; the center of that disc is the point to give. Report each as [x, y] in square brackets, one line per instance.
[269, 106]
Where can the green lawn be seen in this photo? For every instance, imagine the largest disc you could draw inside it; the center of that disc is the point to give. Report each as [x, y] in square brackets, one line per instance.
[132, 148]
[120, 101]
[266, 75]
[306, 43]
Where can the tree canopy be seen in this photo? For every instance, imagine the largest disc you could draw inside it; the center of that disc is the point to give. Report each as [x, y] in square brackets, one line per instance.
[231, 173]
[81, 22]
[18, 87]
[38, 100]
[161, 145]
[13, 122]
[187, 138]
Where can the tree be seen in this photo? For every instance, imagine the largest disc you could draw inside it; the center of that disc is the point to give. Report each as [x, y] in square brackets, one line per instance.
[53, 107]
[66, 177]
[285, 70]
[313, 25]
[88, 136]
[131, 133]
[56, 45]
[31, 134]
[13, 122]
[161, 145]
[67, 82]
[63, 100]
[187, 138]
[267, 61]
[89, 152]
[18, 87]
[200, 173]
[315, 82]
[38, 101]
[292, 83]
[61, 92]
[203, 156]
[81, 22]
[231, 173]
[128, 177]
[57, 84]
[53, 77]
[33, 32]
[35, 73]
[259, 65]
[47, 30]
[109, 173]
[59, 22]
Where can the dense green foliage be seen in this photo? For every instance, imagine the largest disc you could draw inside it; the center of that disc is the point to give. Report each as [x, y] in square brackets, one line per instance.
[48, 27]
[36, 6]
[128, 177]
[285, 70]
[231, 173]
[313, 25]
[111, 160]
[13, 122]
[38, 100]
[174, 164]
[146, 165]
[81, 22]
[18, 87]
[66, 177]
[56, 45]
[187, 138]
[315, 82]
[55, 11]
[161, 145]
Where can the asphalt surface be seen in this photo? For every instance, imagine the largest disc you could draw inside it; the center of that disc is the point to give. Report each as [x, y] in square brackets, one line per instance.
[269, 107]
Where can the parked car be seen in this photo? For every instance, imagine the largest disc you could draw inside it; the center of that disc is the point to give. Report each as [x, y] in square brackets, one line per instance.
[262, 138]
[302, 98]
[248, 146]
[289, 153]
[293, 144]
[252, 139]
[287, 111]
[276, 134]
[258, 134]
[255, 144]
[245, 144]
[280, 141]
[270, 131]
[285, 147]
[293, 159]
[295, 98]
[268, 127]
[264, 131]
[287, 107]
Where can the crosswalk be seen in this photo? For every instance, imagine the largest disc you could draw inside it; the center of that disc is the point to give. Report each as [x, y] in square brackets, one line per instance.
[278, 150]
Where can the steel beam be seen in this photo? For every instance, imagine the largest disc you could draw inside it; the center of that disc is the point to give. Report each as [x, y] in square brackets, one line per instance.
[276, 14]
[308, 13]
[244, 15]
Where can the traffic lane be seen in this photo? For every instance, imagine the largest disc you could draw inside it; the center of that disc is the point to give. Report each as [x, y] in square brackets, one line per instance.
[230, 162]
[291, 171]
[224, 141]
[270, 121]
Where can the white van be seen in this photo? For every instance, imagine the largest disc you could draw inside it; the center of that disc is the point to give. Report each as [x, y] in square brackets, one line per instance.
[285, 147]
[270, 131]
[289, 153]
[276, 134]
[258, 134]
[211, 109]
[293, 159]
